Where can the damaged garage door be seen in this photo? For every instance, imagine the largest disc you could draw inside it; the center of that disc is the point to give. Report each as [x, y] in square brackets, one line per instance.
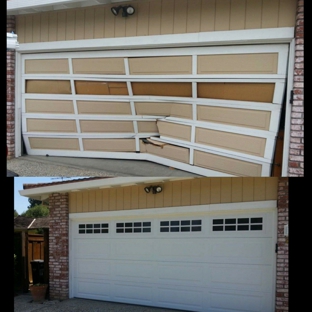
[213, 109]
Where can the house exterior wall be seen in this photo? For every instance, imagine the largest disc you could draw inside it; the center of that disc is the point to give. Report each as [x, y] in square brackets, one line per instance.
[59, 235]
[156, 17]
[10, 100]
[58, 246]
[203, 191]
[282, 251]
[296, 156]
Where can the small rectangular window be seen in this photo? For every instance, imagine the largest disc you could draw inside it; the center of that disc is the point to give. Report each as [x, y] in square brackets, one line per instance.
[217, 221]
[240, 224]
[217, 228]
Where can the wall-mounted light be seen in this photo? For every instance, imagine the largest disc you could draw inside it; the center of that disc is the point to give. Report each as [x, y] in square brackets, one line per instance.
[126, 10]
[154, 189]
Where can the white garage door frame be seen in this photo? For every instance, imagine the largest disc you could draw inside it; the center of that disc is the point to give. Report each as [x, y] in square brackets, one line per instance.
[265, 209]
[220, 38]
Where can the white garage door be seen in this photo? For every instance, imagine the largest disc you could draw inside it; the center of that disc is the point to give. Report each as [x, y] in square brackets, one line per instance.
[191, 258]
[212, 109]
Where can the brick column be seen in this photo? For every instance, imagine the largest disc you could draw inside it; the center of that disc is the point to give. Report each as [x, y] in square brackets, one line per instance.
[58, 246]
[282, 251]
[10, 77]
[296, 158]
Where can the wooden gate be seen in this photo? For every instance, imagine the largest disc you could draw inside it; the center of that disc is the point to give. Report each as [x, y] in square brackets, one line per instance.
[35, 251]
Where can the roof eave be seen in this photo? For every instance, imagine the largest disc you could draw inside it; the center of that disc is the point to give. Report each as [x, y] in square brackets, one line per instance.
[41, 193]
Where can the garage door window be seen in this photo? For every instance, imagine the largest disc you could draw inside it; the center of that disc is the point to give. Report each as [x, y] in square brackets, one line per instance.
[133, 227]
[93, 228]
[239, 224]
[180, 226]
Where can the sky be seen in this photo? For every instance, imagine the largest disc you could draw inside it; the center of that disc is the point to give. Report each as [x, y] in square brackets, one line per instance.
[21, 202]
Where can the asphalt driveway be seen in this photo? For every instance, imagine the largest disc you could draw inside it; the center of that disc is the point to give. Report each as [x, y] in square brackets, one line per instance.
[24, 303]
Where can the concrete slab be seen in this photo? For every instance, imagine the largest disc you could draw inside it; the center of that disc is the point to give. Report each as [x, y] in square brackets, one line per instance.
[36, 166]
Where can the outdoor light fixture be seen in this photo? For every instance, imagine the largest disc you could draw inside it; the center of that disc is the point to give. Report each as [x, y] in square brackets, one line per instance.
[126, 10]
[12, 42]
[154, 189]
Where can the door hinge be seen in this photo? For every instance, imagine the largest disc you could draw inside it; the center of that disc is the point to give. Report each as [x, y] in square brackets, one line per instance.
[276, 247]
[291, 100]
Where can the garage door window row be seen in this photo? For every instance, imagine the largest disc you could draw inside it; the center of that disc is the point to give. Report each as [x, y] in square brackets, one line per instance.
[93, 228]
[239, 224]
[181, 226]
[133, 227]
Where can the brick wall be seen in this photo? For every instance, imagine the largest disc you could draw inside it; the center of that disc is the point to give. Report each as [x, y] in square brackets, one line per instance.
[295, 165]
[58, 246]
[282, 251]
[10, 114]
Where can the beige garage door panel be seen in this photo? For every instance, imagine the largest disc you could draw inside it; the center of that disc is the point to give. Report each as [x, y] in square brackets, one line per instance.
[48, 86]
[234, 116]
[51, 125]
[181, 111]
[162, 88]
[254, 92]
[102, 126]
[47, 66]
[165, 65]
[147, 126]
[178, 131]
[54, 143]
[105, 108]
[153, 108]
[101, 88]
[167, 151]
[258, 63]
[226, 164]
[49, 106]
[109, 145]
[99, 66]
[235, 142]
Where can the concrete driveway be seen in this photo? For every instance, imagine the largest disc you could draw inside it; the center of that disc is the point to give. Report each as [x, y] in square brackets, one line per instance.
[24, 303]
[42, 166]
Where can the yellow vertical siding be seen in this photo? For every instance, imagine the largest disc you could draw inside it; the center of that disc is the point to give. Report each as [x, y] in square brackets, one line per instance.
[155, 17]
[198, 191]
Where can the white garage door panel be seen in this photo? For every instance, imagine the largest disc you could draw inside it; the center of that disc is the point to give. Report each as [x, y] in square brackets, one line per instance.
[182, 298]
[132, 249]
[240, 277]
[241, 250]
[133, 292]
[90, 248]
[181, 274]
[92, 289]
[237, 302]
[211, 271]
[95, 268]
[137, 271]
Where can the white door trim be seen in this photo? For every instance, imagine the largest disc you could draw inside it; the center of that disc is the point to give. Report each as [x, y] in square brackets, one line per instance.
[252, 36]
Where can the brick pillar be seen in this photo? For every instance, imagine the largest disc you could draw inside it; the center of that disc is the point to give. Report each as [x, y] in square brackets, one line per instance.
[282, 251]
[10, 77]
[58, 246]
[296, 163]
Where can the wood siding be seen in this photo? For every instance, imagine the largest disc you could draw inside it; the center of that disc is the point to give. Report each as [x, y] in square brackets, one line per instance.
[198, 191]
[155, 17]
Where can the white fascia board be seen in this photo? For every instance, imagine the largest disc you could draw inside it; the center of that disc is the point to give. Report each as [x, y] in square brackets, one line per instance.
[15, 7]
[250, 36]
[44, 191]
